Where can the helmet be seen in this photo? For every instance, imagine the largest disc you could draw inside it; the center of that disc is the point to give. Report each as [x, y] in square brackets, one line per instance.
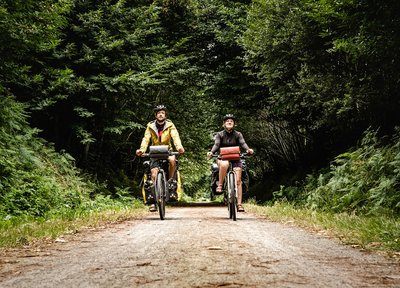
[229, 116]
[159, 108]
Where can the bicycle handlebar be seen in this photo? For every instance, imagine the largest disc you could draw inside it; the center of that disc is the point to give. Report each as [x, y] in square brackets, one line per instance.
[242, 155]
[170, 153]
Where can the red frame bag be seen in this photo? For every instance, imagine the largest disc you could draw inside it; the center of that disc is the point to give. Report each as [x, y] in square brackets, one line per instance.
[230, 153]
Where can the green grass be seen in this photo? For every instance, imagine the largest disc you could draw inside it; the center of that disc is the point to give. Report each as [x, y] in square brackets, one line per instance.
[373, 233]
[23, 231]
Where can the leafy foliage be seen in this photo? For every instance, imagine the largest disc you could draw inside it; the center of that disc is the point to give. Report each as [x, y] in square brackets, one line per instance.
[328, 68]
[365, 180]
[34, 179]
[28, 29]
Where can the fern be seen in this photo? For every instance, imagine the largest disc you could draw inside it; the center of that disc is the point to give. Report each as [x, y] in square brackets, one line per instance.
[364, 180]
[34, 179]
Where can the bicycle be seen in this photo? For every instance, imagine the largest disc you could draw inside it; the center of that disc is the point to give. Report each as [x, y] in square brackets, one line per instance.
[159, 192]
[230, 187]
[214, 179]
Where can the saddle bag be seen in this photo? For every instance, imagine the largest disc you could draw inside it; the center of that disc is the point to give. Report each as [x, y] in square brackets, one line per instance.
[159, 152]
[230, 153]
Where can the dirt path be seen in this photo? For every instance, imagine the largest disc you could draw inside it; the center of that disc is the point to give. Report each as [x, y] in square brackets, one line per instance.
[198, 247]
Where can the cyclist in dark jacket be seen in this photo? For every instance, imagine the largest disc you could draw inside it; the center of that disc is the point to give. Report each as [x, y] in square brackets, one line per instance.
[228, 138]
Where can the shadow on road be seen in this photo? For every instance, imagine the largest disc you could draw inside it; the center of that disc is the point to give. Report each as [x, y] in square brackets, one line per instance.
[196, 204]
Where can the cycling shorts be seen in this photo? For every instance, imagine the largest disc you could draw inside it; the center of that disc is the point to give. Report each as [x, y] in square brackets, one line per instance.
[236, 163]
[157, 163]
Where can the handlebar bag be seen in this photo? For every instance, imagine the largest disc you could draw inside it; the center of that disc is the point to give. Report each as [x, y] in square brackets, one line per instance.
[230, 153]
[159, 152]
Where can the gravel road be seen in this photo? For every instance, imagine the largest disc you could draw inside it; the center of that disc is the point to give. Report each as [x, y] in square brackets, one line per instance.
[197, 247]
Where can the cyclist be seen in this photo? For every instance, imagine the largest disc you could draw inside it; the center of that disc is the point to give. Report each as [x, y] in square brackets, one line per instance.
[227, 138]
[161, 131]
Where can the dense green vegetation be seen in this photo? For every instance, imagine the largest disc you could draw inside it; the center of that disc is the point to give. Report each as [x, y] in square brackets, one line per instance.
[35, 179]
[314, 85]
[363, 181]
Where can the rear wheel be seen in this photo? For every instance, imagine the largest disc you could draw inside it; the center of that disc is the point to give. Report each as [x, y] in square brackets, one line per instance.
[160, 194]
[232, 196]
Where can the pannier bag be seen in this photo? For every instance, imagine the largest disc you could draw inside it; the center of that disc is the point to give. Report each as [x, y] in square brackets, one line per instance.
[230, 153]
[159, 152]
[214, 178]
[147, 190]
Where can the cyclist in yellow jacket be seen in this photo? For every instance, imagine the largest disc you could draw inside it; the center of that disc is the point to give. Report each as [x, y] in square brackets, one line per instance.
[161, 131]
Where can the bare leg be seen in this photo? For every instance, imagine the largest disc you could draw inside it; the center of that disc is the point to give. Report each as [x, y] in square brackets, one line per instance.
[154, 172]
[172, 166]
[238, 172]
[223, 168]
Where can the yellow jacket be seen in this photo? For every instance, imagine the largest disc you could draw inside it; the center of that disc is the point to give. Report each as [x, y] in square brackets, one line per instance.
[169, 133]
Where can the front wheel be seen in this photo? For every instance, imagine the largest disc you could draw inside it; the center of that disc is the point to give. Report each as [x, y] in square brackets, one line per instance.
[232, 196]
[160, 194]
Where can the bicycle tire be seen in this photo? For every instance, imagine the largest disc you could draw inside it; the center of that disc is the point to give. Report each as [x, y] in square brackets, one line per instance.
[160, 194]
[227, 195]
[232, 196]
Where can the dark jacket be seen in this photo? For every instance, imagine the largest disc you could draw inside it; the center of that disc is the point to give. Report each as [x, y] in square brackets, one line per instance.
[228, 139]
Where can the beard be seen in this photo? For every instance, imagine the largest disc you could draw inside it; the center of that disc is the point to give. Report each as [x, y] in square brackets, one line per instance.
[160, 120]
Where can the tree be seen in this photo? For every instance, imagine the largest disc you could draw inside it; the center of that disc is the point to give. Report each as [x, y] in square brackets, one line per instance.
[319, 62]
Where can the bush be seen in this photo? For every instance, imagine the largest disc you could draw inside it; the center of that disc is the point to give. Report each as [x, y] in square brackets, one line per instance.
[365, 180]
[33, 177]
